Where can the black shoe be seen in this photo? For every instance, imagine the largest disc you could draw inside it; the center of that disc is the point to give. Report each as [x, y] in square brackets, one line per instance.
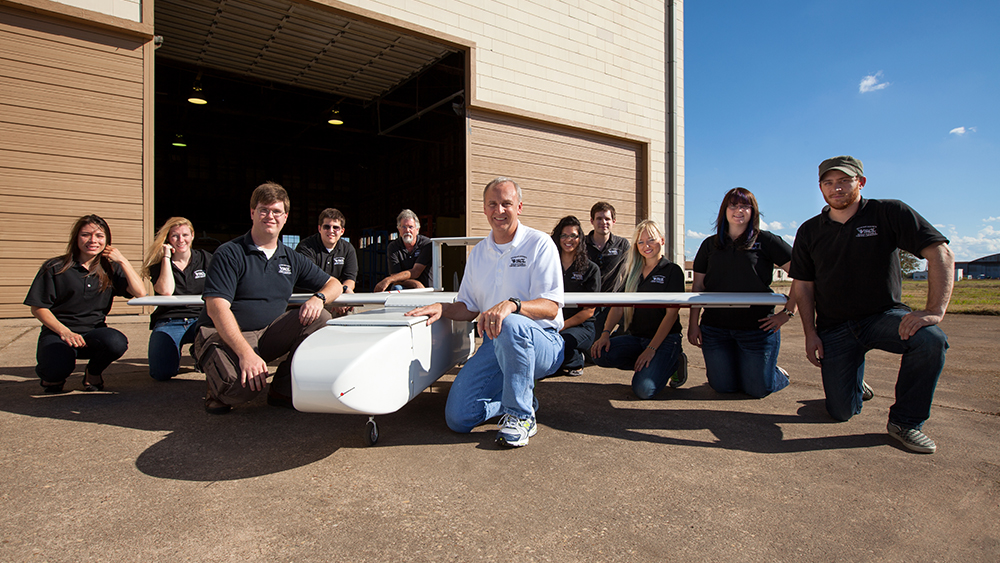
[276, 400]
[88, 386]
[54, 388]
[215, 406]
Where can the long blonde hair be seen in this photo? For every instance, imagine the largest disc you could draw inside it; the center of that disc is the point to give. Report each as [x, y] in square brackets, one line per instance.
[633, 267]
[154, 252]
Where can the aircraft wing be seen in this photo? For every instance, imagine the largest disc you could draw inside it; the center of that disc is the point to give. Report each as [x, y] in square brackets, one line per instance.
[418, 298]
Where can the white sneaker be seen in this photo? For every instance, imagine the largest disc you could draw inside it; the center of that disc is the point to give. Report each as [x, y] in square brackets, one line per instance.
[514, 432]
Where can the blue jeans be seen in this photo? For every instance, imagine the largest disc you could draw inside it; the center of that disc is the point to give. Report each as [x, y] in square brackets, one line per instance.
[56, 359]
[500, 377]
[650, 380]
[742, 360]
[578, 339]
[165, 346]
[844, 349]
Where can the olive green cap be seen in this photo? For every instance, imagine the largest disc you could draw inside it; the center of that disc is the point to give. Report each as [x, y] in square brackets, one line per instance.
[846, 164]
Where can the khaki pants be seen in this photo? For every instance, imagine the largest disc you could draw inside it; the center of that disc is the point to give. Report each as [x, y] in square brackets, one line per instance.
[222, 366]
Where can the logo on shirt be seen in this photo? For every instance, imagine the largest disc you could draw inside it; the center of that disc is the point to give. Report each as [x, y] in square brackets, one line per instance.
[658, 279]
[198, 274]
[756, 246]
[518, 261]
[577, 276]
[338, 261]
[869, 231]
[285, 269]
[612, 252]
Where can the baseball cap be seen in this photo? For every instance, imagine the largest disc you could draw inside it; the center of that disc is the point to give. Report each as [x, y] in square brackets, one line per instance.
[846, 164]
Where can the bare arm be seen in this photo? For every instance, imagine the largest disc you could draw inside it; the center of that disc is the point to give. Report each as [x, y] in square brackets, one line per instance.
[165, 281]
[253, 369]
[775, 322]
[411, 274]
[940, 282]
[491, 320]
[313, 307]
[694, 320]
[603, 341]
[52, 323]
[579, 318]
[135, 285]
[456, 311]
[806, 300]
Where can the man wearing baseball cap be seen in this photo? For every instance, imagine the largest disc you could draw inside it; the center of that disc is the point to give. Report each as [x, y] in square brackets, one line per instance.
[845, 263]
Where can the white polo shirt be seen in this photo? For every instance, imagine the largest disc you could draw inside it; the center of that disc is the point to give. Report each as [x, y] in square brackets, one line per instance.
[528, 268]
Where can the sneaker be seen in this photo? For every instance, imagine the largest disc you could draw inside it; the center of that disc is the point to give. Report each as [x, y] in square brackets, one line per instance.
[574, 372]
[514, 432]
[912, 438]
[783, 372]
[866, 391]
[680, 376]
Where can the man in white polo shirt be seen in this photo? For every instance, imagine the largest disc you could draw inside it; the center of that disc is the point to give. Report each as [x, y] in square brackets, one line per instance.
[513, 282]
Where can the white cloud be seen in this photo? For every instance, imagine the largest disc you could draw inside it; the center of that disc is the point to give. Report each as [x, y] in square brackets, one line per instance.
[991, 219]
[962, 131]
[790, 239]
[967, 248]
[871, 83]
[698, 236]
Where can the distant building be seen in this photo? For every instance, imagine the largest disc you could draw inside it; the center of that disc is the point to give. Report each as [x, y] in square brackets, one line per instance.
[987, 267]
[922, 275]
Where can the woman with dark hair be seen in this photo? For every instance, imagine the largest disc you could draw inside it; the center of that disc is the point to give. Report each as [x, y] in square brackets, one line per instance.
[740, 345]
[651, 344]
[71, 295]
[175, 269]
[579, 275]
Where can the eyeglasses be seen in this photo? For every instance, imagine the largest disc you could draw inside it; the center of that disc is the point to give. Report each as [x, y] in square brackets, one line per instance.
[845, 182]
[565, 236]
[334, 228]
[740, 207]
[264, 212]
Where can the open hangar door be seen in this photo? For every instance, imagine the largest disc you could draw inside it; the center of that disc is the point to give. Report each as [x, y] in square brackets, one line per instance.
[273, 73]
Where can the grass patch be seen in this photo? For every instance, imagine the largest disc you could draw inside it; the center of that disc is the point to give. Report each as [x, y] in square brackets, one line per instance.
[971, 297]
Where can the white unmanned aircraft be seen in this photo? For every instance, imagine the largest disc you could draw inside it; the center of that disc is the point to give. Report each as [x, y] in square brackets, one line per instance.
[375, 361]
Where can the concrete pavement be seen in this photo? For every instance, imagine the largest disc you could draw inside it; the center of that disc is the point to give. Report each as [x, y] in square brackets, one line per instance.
[141, 473]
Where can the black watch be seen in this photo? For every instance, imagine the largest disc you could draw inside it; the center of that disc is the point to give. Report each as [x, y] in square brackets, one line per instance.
[321, 297]
[790, 314]
[517, 302]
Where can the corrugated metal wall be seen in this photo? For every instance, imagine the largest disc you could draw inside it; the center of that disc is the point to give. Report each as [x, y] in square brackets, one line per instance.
[71, 119]
[561, 172]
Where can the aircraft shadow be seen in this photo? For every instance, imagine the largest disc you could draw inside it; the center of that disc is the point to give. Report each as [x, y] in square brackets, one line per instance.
[610, 409]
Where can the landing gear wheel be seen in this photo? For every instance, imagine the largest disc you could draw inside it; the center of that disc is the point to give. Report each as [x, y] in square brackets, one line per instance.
[371, 431]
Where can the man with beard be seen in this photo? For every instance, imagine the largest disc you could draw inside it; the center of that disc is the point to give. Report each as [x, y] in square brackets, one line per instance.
[409, 256]
[845, 263]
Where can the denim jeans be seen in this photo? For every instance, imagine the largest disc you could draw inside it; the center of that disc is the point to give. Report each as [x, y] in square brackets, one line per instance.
[650, 380]
[844, 348]
[165, 346]
[742, 360]
[56, 359]
[578, 340]
[500, 377]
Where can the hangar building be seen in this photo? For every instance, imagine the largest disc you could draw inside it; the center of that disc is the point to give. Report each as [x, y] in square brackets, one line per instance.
[579, 101]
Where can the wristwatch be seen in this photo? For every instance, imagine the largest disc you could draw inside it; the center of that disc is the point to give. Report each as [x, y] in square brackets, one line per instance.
[321, 297]
[517, 302]
[790, 314]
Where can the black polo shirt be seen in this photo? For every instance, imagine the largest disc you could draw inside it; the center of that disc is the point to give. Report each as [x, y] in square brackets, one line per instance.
[738, 270]
[400, 259]
[341, 262]
[665, 277]
[587, 281]
[258, 288]
[609, 259]
[189, 281]
[74, 296]
[855, 265]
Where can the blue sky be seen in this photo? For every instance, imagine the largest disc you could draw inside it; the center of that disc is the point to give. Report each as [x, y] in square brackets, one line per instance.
[911, 88]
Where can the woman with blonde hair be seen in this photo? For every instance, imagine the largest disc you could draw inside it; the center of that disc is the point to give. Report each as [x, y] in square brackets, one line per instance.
[71, 295]
[175, 269]
[651, 343]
